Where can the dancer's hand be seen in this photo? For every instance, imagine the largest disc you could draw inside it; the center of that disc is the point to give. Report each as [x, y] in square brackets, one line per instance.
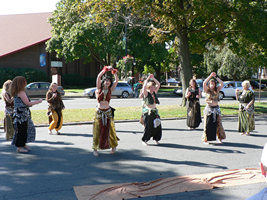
[213, 74]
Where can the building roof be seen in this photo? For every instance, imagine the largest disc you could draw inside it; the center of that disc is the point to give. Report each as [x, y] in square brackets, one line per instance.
[20, 31]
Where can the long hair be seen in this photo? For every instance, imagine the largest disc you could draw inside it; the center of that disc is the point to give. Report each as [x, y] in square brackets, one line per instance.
[215, 88]
[50, 87]
[18, 84]
[6, 86]
[194, 82]
[104, 79]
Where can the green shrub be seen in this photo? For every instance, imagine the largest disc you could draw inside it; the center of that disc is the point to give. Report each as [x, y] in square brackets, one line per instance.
[76, 80]
[31, 74]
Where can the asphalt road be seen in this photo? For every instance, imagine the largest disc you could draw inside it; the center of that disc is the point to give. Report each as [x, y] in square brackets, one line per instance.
[59, 162]
[77, 103]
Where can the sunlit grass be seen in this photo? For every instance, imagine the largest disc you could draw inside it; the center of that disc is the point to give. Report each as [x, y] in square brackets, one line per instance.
[133, 113]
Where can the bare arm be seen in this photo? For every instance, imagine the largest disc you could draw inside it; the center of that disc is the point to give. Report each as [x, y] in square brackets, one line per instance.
[205, 87]
[98, 79]
[187, 93]
[115, 83]
[144, 89]
[7, 98]
[157, 86]
[221, 83]
[25, 99]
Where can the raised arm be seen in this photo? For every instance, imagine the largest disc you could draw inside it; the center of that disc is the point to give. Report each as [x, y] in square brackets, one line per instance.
[205, 87]
[115, 83]
[144, 90]
[98, 79]
[157, 86]
[221, 83]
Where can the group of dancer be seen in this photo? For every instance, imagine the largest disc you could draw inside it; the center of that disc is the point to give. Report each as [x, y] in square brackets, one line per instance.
[213, 128]
[19, 127]
[18, 124]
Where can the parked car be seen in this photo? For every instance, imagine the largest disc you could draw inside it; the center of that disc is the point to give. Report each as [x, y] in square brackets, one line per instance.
[39, 89]
[170, 81]
[228, 89]
[179, 91]
[123, 90]
[256, 85]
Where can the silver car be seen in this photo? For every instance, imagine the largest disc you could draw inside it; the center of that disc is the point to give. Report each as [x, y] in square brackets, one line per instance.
[228, 89]
[39, 89]
[123, 90]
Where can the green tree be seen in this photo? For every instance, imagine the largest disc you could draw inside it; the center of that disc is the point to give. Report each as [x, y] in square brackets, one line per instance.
[227, 64]
[190, 23]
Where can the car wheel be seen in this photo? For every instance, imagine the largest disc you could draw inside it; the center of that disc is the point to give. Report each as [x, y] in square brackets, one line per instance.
[125, 94]
[92, 97]
[221, 95]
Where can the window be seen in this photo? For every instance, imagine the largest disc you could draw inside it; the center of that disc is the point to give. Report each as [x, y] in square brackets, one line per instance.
[44, 85]
[34, 86]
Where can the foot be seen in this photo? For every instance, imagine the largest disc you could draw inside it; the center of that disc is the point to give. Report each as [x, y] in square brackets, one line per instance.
[206, 143]
[21, 150]
[242, 133]
[95, 153]
[50, 132]
[247, 133]
[113, 150]
[27, 147]
[58, 133]
[144, 143]
[157, 142]
[220, 141]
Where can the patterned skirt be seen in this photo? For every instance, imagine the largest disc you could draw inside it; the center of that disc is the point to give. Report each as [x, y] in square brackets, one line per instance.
[104, 134]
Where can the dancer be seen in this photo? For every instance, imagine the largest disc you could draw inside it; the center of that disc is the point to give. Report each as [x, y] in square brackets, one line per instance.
[212, 113]
[55, 108]
[23, 125]
[104, 134]
[193, 107]
[246, 99]
[150, 112]
[9, 107]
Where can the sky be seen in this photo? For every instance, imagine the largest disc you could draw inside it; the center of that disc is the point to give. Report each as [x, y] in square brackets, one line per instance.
[8, 7]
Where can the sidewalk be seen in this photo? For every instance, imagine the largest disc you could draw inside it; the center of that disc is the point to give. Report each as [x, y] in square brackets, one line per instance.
[57, 163]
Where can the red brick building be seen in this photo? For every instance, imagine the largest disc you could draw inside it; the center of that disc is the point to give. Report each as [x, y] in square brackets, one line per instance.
[22, 45]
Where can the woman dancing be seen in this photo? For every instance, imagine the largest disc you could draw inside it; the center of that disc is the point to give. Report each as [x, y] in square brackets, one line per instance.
[193, 107]
[150, 112]
[246, 99]
[9, 107]
[55, 108]
[104, 134]
[212, 113]
[23, 125]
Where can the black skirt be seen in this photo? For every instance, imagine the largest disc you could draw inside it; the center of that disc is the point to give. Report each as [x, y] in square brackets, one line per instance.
[150, 131]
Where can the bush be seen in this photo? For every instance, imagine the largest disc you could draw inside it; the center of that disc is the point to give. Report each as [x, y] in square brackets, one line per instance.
[76, 80]
[31, 74]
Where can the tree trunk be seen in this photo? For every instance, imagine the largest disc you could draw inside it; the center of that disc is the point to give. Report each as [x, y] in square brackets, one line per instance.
[184, 55]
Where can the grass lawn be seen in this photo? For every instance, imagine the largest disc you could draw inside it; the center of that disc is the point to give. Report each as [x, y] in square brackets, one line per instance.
[133, 113]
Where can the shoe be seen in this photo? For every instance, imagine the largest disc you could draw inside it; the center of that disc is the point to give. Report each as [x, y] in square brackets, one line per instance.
[22, 150]
[95, 153]
[113, 150]
[220, 141]
[157, 142]
[207, 143]
[58, 133]
[144, 143]
[27, 147]
[247, 134]
[242, 133]
[50, 132]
